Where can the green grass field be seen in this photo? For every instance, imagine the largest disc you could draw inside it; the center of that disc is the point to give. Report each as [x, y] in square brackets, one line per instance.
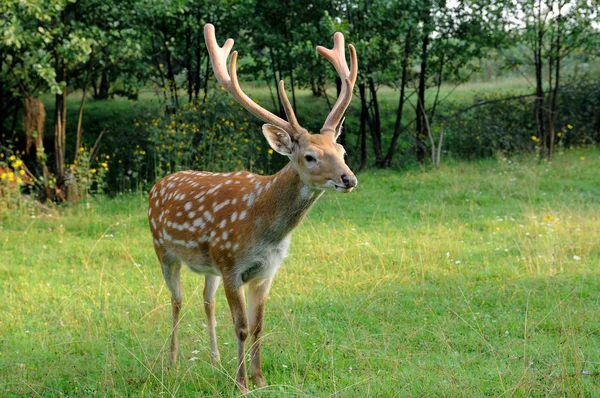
[476, 279]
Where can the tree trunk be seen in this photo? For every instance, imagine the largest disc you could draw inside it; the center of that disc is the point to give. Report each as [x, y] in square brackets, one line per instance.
[206, 77]
[376, 125]
[80, 114]
[338, 89]
[398, 125]
[293, 90]
[275, 80]
[199, 48]
[170, 70]
[104, 89]
[59, 132]
[539, 90]
[552, 111]
[421, 135]
[364, 114]
[188, 55]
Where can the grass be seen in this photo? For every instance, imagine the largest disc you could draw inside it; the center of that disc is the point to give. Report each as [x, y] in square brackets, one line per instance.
[476, 279]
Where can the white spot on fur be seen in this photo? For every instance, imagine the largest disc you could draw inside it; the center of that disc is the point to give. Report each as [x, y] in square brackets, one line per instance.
[243, 215]
[234, 216]
[208, 216]
[222, 224]
[188, 206]
[216, 208]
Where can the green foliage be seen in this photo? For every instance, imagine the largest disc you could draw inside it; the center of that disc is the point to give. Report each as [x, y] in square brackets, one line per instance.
[507, 126]
[476, 279]
[87, 175]
[217, 135]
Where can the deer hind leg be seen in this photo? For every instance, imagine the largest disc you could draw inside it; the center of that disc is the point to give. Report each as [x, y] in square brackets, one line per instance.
[171, 268]
[258, 289]
[237, 305]
[210, 289]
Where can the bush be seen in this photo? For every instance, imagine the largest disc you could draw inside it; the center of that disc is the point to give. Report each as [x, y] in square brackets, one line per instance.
[509, 126]
[218, 135]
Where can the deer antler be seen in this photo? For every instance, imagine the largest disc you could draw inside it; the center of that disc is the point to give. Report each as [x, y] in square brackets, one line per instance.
[229, 81]
[337, 57]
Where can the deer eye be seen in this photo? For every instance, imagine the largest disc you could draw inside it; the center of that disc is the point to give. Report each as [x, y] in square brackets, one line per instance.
[309, 158]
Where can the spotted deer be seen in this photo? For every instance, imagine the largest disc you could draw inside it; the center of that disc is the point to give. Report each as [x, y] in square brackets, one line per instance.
[237, 226]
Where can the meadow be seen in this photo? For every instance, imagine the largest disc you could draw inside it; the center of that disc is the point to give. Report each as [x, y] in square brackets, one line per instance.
[475, 279]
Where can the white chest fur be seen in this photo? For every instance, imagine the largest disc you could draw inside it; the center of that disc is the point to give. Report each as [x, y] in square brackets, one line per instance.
[263, 260]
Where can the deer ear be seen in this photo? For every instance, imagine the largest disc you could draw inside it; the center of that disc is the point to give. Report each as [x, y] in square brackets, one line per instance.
[278, 139]
[338, 129]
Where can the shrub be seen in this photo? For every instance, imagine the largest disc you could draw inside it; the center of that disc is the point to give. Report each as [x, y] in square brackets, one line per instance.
[218, 135]
[509, 126]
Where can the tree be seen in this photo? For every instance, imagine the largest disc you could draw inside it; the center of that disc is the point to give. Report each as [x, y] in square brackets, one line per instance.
[551, 31]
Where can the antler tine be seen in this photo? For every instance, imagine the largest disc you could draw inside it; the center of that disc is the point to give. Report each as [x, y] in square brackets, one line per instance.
[229, 81]
[337, 57]
[289, 111]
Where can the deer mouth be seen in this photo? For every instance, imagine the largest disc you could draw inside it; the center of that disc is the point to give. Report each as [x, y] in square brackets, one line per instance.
[342, 188]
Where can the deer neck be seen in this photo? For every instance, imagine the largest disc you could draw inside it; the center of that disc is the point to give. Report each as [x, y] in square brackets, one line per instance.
[284, 204]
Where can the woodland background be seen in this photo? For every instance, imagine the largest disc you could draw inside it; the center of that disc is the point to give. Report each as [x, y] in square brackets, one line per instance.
[128, 93]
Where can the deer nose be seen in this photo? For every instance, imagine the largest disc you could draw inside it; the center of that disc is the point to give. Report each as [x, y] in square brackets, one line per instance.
[349, 181]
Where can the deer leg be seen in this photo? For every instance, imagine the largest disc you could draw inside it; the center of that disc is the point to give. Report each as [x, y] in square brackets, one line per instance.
[257, 297]
[171, 268]
[210, 289]
[235, 298]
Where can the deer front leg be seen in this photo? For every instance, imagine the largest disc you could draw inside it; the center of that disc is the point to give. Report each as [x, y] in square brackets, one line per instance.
[257, 297]
[171, 269]
[237, 304]
[210, 289]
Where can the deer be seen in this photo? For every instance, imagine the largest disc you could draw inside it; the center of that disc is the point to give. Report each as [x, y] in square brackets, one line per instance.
[237, 226]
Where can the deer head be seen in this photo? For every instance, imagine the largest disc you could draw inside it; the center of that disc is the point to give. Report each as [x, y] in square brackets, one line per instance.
[317, 158]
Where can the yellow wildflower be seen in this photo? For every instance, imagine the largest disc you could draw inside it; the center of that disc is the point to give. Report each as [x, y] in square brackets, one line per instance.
[569, 126]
